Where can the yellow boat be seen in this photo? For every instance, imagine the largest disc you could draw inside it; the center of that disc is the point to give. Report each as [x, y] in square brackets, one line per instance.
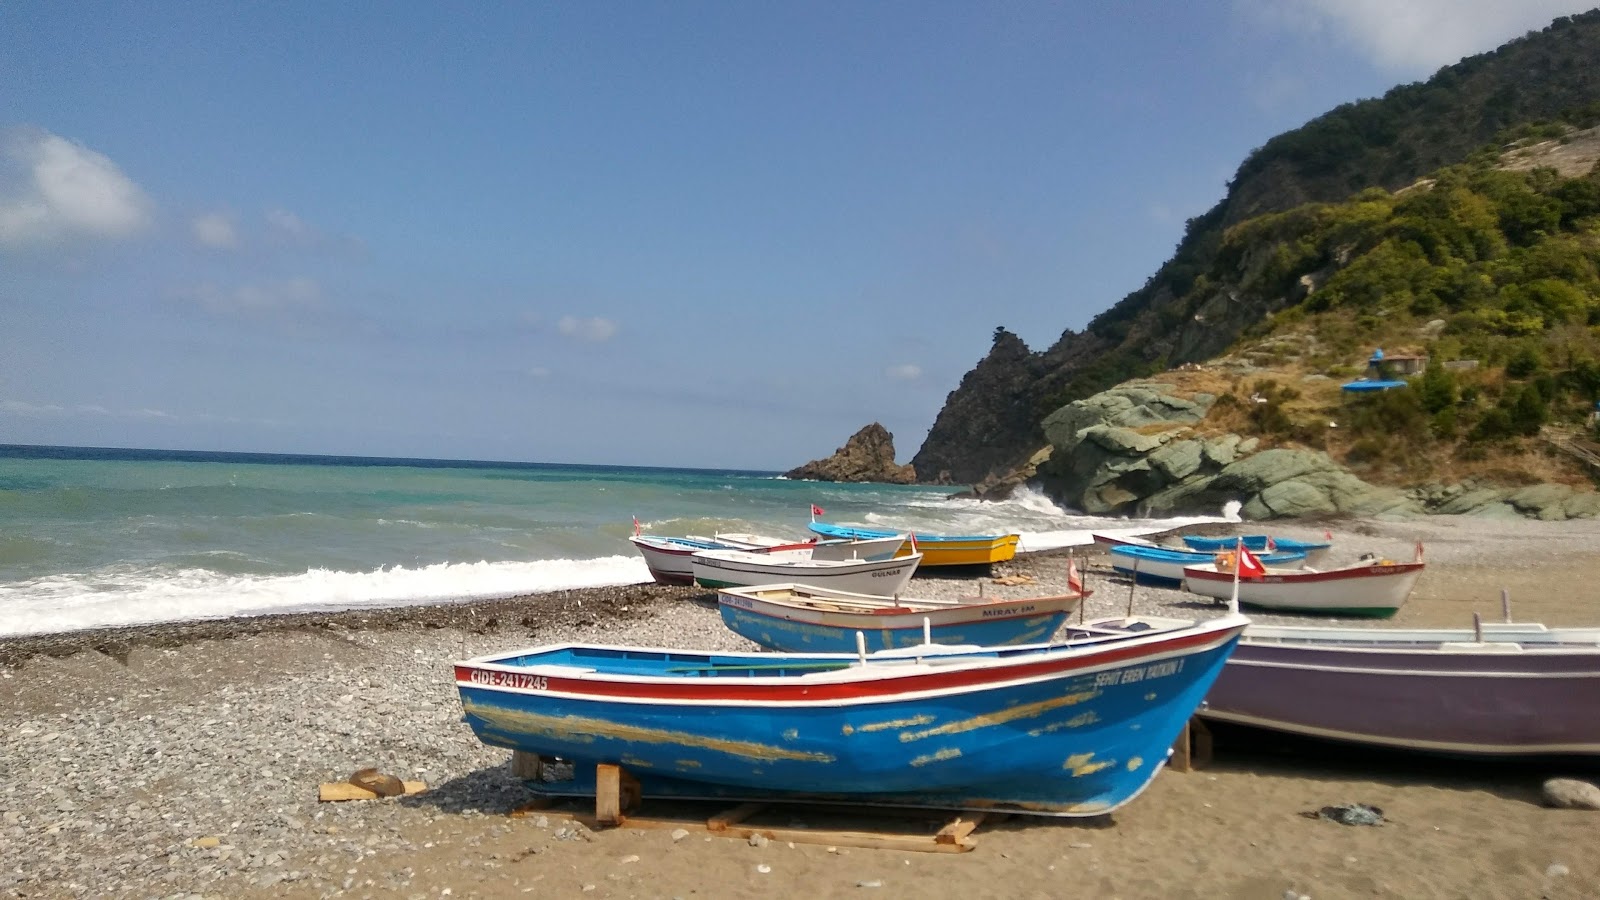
[937, 549]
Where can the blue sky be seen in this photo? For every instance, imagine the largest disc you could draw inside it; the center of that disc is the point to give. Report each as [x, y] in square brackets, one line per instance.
[690, 234]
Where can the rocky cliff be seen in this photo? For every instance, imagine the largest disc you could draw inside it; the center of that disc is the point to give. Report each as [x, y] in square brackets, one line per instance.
[867, 456]
[987, 422]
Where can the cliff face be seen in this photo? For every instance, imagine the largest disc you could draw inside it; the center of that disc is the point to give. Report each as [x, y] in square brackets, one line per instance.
[867, 456]
[1199, 302]
[987, 422]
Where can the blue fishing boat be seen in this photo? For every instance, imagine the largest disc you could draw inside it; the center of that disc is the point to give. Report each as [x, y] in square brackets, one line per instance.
[1075, 728]
[1256, 543]
[1158, 565]
[803, 619]
[936, 549]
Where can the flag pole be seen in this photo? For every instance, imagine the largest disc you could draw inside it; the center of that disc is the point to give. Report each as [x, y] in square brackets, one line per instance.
[1082, 599]
[1238, 563]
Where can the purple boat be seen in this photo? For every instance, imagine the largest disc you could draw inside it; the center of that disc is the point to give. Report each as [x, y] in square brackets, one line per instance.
[1498, 690]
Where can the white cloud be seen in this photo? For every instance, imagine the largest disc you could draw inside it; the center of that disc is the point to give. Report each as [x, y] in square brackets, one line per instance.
[24, 408]
[256, 300]
[97, 411]
[904, 372]
[289, 230]
[53, 189]
[215, 230]
[1415, 35]
[291, 226]
[594, 329]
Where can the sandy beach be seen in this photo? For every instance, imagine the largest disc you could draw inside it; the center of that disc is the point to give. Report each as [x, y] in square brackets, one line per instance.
[184, 760]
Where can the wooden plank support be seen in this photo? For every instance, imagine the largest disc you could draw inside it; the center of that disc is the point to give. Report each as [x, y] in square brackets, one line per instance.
[537, 804]
[1203, 745]
[335, 791]
[526, 765]
[958, 829]
[1182, 759]
[616, 793]
[920, 843]
[725, 820]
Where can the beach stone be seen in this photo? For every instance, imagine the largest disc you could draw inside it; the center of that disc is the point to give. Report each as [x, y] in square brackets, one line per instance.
[1570, 793]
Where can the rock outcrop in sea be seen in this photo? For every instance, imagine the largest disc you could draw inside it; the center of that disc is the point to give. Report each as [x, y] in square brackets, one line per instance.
[867, 456]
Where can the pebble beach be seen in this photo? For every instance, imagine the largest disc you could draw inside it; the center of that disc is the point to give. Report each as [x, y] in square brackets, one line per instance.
[184, 760]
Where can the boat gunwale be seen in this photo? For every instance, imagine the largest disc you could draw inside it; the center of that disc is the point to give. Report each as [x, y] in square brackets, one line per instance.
[720, 559]
[993, 540]
[893, 673]
[1210, 572]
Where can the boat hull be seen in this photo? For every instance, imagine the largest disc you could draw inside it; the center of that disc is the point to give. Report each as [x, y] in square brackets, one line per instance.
[1051, 731]
[1149, 565]
[938, 550]
[1519, 700]
[779, 617]
[1315, 551]
[872, 549]
[1372, 590]
[722, 569]
[668, 559]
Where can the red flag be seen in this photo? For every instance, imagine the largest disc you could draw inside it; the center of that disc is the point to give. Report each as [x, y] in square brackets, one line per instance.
[635, 526]
[1419, 551]
[1074, 580]
[1272, 545]
[1327, 535]
[816, 510]
[1249, 565]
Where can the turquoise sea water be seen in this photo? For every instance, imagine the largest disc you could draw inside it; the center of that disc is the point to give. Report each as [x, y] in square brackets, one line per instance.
[94, 537]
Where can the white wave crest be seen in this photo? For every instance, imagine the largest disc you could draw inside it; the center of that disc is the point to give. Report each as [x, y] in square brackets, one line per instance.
[141, 596]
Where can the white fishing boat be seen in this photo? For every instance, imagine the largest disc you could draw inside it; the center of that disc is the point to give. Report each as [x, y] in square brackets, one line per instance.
[741, 568]
[1374, 588]
[841, 548]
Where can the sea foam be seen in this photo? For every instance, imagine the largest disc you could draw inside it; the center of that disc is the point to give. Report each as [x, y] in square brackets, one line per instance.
[129, 595]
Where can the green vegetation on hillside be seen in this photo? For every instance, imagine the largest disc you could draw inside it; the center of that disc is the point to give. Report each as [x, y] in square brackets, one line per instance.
[1507, 262]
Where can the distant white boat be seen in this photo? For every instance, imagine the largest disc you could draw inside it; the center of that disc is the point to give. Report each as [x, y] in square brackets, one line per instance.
[741, 568]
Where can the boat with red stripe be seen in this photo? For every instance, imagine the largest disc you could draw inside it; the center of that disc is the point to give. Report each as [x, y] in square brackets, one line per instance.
[1077, 727]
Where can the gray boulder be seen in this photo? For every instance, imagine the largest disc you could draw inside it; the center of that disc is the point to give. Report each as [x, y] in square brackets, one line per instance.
[1582, 506]
[1541, 501]
[1468, 501]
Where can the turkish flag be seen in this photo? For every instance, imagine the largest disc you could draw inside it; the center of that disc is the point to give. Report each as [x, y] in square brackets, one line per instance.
[1249, 565]
[816, 510]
